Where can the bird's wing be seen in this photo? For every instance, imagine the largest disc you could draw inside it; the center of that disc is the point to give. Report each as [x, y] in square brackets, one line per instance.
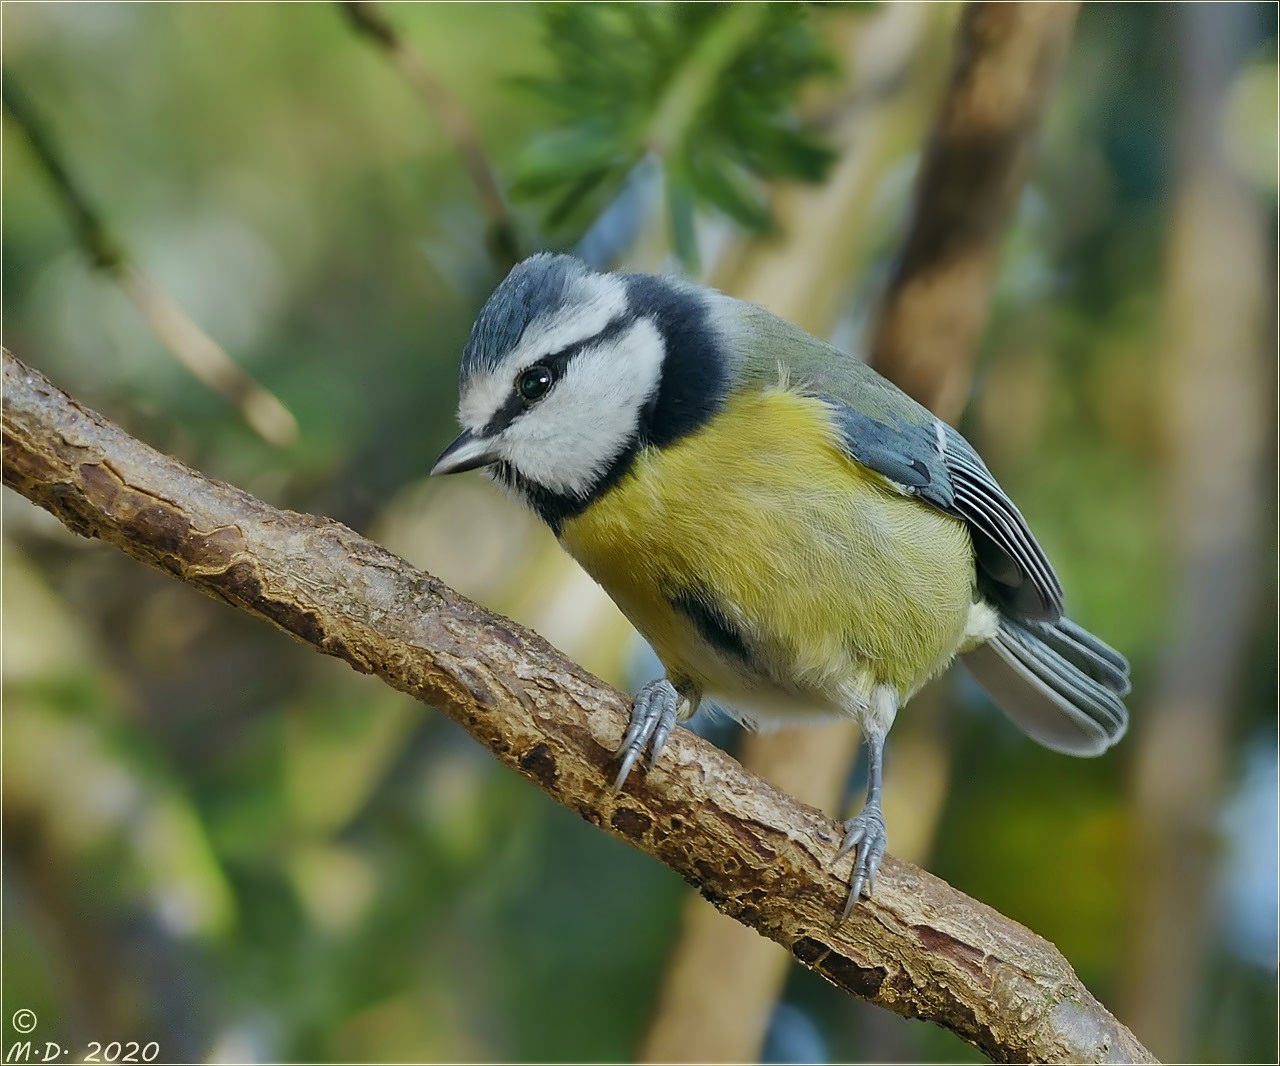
[930, 460]
[888, 432]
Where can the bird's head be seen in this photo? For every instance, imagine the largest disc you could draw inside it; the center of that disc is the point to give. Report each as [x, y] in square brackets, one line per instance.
[569, 372]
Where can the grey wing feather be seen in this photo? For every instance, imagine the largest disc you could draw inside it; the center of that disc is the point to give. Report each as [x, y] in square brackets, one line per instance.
[1006, 547]
[905, 454]
[931, 460]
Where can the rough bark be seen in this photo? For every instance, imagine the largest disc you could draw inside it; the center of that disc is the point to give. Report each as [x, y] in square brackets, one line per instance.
[919, 948]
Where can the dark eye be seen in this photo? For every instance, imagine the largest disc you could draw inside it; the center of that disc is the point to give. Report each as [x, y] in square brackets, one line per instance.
[534, 383]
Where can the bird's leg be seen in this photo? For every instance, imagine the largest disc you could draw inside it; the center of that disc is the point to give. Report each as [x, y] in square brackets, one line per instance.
[658, 706]
[865, 830]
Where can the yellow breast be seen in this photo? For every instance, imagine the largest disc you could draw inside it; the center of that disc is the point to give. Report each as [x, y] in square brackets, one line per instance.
[830, 577]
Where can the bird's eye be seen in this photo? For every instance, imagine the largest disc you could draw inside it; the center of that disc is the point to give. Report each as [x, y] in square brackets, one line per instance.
[533, 383]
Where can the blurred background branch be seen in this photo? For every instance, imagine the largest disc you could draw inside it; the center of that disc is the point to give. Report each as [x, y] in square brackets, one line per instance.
[972, 174]
[181, 337]
[503, 237]
[1218, 394]
[921, 948]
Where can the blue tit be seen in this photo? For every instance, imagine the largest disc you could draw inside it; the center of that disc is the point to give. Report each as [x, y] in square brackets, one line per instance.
[794, 535]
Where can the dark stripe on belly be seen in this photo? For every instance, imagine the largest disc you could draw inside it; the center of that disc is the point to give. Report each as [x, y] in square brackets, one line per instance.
[711, 623]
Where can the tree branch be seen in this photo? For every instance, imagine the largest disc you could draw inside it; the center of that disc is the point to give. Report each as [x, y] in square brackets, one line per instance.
[368, 19]
[174, 328]
[919, 948]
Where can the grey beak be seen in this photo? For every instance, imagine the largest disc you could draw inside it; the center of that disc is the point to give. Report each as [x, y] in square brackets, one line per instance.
[465, 453]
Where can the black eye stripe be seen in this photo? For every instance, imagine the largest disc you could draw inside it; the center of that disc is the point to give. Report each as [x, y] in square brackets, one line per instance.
[557, 361]
[515, 405]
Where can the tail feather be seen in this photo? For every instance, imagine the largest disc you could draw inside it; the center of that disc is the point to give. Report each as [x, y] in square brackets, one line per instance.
[1059, 683]
[1086, 652]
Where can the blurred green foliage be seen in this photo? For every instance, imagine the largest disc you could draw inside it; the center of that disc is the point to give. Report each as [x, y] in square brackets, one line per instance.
[709, 89]
[216, 839]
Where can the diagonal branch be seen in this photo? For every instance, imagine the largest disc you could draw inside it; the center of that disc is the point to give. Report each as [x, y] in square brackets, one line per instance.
[174, 328]
[919, 948]
[369, 20]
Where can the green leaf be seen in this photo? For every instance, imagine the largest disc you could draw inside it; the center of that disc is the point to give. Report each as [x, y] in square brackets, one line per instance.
[573, 200]
[564, 157]
[712, 87]
[728, 188]
[680, 210]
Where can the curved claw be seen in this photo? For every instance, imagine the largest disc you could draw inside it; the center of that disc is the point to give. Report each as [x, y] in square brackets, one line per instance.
[629, 758]
[653, 718]
[866, 832]
[661, 734]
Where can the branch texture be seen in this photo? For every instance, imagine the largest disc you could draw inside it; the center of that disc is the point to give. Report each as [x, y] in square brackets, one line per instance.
[919, 948]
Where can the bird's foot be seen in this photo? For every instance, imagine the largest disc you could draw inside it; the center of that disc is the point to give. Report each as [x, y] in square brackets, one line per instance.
[865, 831]
[653, 717]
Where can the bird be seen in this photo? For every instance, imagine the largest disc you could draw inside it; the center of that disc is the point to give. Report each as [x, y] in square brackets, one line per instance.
[795, 537]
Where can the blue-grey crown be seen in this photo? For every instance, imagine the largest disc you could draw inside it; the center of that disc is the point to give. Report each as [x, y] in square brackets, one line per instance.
[539, 287]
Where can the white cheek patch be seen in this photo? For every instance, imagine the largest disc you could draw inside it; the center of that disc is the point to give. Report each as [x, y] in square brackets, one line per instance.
[568, 441]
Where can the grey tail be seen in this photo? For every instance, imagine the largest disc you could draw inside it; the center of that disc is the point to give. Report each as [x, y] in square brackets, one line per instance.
[1060, 684]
